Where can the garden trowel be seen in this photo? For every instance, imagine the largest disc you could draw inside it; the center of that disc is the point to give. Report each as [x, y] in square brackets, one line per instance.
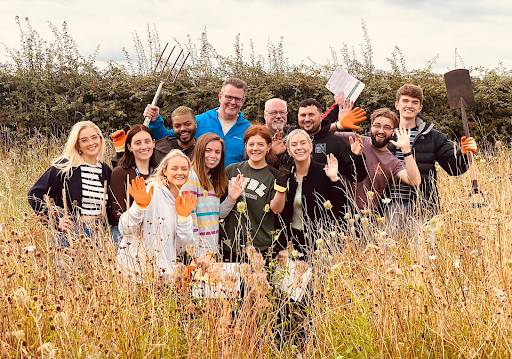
[460, 95]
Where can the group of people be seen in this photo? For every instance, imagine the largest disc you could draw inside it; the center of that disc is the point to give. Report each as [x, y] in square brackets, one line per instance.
[215, 183]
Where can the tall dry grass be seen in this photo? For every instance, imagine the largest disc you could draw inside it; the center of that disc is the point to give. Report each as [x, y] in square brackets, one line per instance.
[444, 291]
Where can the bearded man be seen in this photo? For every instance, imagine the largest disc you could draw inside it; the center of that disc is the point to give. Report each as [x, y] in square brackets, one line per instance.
[382, 166]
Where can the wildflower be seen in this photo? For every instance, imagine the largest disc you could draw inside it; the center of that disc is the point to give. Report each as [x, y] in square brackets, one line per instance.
[245, 270]
[394, 271]
[21, 295]
[267, 208]
[30, 248]
[301, 267]
[257, 262]
[365, 222]
[382, 233]
[351, 221]
[336, 268]
[295, 253]
[180, 270]
[365, 212]
[18, 334]
[321, 231]
[320, 243]
[370, 194]
[61, 319]
[456, 264]
[328, 205]
[353, 229]
[433, 257]
[347, 216]
[386, 200]
[240, 207]
[508, 262]
[251, 251]
[191, 249]
[381, 219]
[498, 145]
[474, 253]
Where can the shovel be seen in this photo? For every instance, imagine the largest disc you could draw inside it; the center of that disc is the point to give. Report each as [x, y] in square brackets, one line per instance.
[460, 95]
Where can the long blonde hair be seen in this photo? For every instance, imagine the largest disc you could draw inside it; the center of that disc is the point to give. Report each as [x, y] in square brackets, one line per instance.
[159, 176]
[70, 157]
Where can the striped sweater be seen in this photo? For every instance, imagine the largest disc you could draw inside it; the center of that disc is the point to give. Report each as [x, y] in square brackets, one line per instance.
[206, 215]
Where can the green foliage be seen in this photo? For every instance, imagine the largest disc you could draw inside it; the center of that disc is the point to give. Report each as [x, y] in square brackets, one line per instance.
[50, 85]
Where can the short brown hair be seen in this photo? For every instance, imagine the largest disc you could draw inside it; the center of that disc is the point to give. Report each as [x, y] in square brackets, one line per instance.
[385, 112]
[183, 110]
[410, 90]
[233, 81]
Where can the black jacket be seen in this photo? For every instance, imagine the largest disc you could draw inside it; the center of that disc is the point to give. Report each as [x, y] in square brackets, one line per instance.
[431, 146]
[51, 183]
[316, 189]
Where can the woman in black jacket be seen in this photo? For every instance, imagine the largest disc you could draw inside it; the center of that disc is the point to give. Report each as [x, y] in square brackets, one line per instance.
[316, 197]
[78, 174]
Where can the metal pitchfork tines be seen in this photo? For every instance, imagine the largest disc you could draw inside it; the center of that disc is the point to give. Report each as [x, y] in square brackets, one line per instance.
[164, 80]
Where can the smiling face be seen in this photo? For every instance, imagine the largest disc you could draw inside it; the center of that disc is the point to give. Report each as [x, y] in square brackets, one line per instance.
[184, 128]
[275, 115]
[310, 119]
[177, 171]
[212, 154]
[409, 107]
[89, 142]
[142, 146]
[382, 131]
[257, 148]
[229, 106]
[300, 147]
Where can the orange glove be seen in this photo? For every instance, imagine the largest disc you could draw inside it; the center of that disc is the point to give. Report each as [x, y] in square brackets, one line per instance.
[119, 139]
[183, 283]
[468, 144]
[185, 203]
[350, 119]
[138, 192]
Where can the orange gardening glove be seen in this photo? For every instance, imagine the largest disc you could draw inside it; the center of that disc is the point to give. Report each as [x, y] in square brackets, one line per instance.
[185, 203]
[350, 119]
[119, 139]
[468, 144]
[138, 191]
[183, 284]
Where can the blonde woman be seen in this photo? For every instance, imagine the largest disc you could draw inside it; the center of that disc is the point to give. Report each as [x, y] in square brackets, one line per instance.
[81, 172]
[158, 226]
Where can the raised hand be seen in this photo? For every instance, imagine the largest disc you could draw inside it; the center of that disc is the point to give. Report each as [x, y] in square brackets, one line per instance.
[351, 118]
[344, 106]
[235, 188]
[151, 112]
[403, 140]
[278, 147]
[281, 178]
[185, 203]
[356, 144]
[119, 138]
[468, 144]
[138, 191]
[331, 168]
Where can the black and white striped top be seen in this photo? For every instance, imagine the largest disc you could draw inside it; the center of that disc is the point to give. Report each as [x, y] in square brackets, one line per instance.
[92, 189]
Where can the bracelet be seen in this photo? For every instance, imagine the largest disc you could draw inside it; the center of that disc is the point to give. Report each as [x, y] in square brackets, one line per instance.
[407, 154]
[339, 126]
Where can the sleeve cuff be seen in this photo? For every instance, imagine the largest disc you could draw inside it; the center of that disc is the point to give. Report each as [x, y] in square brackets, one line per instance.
[182, 218]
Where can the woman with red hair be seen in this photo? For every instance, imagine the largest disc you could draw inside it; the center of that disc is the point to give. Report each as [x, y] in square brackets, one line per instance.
[251, 221]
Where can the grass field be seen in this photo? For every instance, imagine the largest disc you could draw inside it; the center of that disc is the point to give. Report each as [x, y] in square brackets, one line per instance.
[448, 296]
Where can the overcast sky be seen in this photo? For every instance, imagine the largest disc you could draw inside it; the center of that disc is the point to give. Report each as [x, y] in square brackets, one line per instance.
[423, 29]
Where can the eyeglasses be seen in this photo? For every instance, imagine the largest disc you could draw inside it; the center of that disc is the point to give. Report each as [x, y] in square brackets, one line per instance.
[275, 113]
[231, 98]
[378, 127]
[87, 139]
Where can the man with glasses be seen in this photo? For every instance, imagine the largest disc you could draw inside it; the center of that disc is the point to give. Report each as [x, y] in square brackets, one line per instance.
[227, 120]
[383, 167]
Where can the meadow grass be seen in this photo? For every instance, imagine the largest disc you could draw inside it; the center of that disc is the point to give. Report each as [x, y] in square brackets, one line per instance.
[443, 291]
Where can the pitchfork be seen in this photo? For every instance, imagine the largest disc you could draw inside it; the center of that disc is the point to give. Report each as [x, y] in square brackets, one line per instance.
[163, 79]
